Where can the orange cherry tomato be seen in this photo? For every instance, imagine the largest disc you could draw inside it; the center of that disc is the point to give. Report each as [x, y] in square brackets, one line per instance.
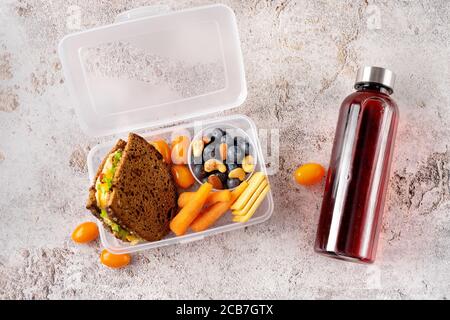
[180, 146]
[163, 149]
[182, 176]
[309, 174]
[114, 260]
[85, 232]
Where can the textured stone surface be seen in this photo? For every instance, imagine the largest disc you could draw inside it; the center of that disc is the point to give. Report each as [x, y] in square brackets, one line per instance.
[300, 59]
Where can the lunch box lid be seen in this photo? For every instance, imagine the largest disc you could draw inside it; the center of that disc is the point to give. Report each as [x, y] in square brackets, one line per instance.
[153, 67]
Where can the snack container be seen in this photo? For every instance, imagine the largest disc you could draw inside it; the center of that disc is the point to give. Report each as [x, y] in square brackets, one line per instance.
[156, 72]
[237, 131]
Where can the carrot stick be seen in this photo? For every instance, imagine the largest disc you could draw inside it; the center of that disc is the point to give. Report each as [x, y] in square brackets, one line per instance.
[218, 196]
[211, 214]
[184, 198]
[188, 213]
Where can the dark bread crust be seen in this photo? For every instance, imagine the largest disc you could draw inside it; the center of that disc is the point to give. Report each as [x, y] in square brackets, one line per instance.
[143, 195]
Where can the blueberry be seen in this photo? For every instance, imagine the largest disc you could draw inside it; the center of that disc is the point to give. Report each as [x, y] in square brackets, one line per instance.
[243, 143]
[249, 149]
[233, 183]
[228, 139]
[209, 152]
[239, 141]
[199, 171]
[215, 134]
[235, 155]
[231, 166]
[222, 176]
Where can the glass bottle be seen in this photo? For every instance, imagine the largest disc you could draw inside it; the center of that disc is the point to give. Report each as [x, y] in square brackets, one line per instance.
[358, 174]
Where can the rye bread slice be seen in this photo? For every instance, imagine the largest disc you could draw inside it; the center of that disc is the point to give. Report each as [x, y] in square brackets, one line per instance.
[143, 196]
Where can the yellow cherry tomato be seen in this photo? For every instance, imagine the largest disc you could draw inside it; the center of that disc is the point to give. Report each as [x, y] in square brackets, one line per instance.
[114, 260]
[309, 174]
[182, 176]
[163, 149]
[180, 146]
[85, 232]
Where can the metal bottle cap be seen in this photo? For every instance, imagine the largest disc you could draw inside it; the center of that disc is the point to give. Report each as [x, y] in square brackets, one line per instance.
[382, 76]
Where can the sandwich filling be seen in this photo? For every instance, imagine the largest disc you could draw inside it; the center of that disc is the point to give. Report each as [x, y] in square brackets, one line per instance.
[102, 191]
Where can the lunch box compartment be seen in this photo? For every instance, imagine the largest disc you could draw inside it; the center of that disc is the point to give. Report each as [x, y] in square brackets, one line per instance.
[155, 72]
[224, 224]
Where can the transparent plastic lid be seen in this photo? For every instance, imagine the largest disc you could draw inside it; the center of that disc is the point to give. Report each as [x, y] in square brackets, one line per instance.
[151, 70]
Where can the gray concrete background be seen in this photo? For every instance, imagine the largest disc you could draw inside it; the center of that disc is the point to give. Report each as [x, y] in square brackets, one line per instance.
[300, 60]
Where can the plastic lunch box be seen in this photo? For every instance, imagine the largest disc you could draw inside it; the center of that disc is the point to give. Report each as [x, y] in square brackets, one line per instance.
[154, 69]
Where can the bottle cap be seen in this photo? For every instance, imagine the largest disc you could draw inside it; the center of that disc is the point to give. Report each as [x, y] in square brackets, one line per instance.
[377, 75]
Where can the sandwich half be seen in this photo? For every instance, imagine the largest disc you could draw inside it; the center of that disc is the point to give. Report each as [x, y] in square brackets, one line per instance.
[134, 194]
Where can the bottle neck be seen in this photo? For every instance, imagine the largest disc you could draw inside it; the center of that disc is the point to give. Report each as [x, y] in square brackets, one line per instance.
[370, 86]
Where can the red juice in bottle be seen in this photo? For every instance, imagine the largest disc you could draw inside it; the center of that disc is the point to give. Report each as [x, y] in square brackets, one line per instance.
[358, 174]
